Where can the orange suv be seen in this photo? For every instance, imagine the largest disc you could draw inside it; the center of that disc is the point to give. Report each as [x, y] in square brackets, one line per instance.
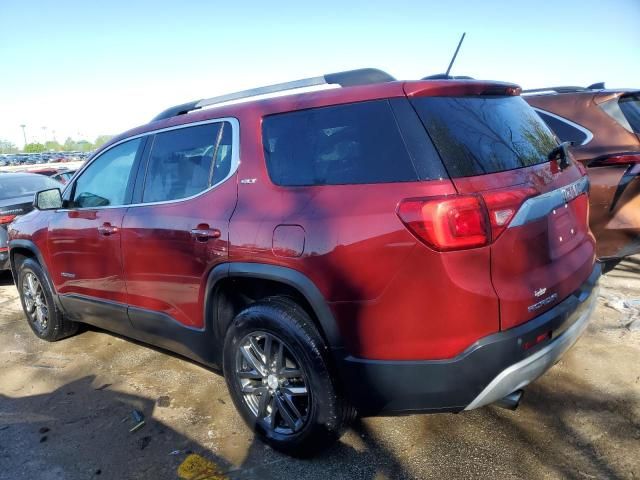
[604, 128]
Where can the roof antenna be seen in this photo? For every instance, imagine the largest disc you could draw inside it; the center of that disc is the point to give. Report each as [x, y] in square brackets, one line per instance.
[455, 55]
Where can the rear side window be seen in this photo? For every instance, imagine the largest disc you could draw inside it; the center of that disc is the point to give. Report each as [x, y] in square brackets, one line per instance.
[564, 131]
[187, 161]
[630, 106]
[346, 144]
[480, 135]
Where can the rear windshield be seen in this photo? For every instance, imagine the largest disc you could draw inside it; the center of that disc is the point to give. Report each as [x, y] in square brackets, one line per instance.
[345, 144]
[479, 135]
[22, 185]
[630, 106]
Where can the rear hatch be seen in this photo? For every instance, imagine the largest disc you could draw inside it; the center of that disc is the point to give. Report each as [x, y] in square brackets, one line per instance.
[495, 146]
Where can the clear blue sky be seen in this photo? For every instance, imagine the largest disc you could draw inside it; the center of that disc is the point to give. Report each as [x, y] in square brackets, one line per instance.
[83, 68]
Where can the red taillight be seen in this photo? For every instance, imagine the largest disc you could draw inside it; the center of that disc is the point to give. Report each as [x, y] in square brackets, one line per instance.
[4, 219]
[620, 159]
[4, 249]
[458, 222]
[502, 206]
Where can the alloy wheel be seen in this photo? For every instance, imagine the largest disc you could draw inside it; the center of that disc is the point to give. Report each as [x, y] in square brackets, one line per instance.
[35, 302]
[272, 382]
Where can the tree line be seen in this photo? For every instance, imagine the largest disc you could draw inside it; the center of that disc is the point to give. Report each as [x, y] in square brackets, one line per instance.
[69, 145]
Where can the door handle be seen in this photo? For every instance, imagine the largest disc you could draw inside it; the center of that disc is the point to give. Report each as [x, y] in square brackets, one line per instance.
[107, 229]
[203, 233]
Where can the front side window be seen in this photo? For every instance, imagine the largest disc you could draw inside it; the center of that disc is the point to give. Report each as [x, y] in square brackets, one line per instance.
[187, 161]
[104, 182]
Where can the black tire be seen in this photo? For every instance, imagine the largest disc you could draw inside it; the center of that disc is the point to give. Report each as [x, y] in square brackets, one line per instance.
[57, 326]
[326, 413]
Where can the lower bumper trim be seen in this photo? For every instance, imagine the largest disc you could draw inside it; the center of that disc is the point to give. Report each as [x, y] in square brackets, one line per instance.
[526, 371]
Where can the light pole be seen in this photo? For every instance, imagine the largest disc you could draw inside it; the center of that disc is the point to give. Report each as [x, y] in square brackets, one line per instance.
[24, 135]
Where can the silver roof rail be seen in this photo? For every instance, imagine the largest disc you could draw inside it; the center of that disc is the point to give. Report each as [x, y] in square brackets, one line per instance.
[363, 76]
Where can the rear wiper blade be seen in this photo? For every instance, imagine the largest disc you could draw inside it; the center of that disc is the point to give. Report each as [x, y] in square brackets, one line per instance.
[561, 154]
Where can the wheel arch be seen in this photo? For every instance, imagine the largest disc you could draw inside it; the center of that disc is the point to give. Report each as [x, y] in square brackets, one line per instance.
[287, 280]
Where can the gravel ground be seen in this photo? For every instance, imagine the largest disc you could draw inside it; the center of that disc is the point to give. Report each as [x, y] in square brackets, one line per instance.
[65, 413]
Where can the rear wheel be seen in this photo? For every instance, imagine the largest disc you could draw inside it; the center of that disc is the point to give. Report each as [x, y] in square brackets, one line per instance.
[43, 316]
[279, 378]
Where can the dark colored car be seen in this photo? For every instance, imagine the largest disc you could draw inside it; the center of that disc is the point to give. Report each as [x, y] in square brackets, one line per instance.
[385, 247]
[604, 126]
[16, 198]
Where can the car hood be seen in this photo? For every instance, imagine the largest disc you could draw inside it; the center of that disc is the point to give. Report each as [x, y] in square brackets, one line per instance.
[16, 205]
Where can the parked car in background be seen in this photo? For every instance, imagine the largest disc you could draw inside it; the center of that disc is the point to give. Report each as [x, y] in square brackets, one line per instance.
[604, 126]
[388, 246]
[64, 176]
[16, 198]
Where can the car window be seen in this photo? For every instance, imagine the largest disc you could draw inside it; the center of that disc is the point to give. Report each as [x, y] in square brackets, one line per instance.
[104, 182]
[23, 185]
[346, 144]
[481, 135]
[630, 106]
[564, 131]
[187, 161]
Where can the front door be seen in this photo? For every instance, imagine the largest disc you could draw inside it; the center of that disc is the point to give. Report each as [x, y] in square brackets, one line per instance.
[84, 238]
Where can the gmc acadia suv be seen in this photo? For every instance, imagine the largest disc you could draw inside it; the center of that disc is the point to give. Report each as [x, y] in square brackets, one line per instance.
[384, 247]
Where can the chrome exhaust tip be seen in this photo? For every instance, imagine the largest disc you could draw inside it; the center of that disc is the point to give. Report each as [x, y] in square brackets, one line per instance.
[511, 401]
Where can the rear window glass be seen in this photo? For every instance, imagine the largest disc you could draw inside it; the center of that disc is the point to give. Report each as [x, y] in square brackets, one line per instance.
[480, 135]
[23, 185]
[345, 144]
[564, 131]
[630, 106]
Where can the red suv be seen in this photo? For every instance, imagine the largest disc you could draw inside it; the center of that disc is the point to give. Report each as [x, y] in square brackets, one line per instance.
[388, 246]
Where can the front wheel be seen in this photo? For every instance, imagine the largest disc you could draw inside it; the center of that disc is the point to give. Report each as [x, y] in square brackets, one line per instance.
[43, 316]
[278, 376]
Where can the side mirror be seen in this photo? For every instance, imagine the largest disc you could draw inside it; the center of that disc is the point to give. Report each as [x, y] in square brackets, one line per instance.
[48, 199]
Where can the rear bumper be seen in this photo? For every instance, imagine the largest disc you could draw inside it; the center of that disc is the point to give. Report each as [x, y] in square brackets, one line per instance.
[487, 371]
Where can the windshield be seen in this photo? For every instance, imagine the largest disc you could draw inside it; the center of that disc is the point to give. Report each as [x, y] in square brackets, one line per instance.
[22, 185]
[480, 135]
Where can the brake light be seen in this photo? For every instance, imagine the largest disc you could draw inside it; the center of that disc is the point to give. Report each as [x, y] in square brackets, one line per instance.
[620, 159]
[459, 222]
[503, 205]
[4, 219]
[4, 249]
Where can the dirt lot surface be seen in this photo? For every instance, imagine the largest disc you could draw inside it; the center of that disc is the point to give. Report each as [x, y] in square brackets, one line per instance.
[65, 413]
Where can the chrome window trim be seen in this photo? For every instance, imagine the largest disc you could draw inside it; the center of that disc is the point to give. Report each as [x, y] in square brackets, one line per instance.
[539, 207]
[568, 122]
[235, 162]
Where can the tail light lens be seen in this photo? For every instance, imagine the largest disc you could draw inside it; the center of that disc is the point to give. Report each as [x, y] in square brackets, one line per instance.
[459, 222]
[620, 159]
[5, 219]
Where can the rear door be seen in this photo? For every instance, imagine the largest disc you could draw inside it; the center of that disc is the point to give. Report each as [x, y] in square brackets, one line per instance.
[497, 146]
[177, 229]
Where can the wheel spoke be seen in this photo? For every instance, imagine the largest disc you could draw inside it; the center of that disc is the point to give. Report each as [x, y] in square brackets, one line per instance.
[254, 361]
[251, 389]
[295, 391]
[250, 375]
[268, 343]
[279, 363]
[274, 411]
[290, 406]
[285, 414]
[263, 404]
